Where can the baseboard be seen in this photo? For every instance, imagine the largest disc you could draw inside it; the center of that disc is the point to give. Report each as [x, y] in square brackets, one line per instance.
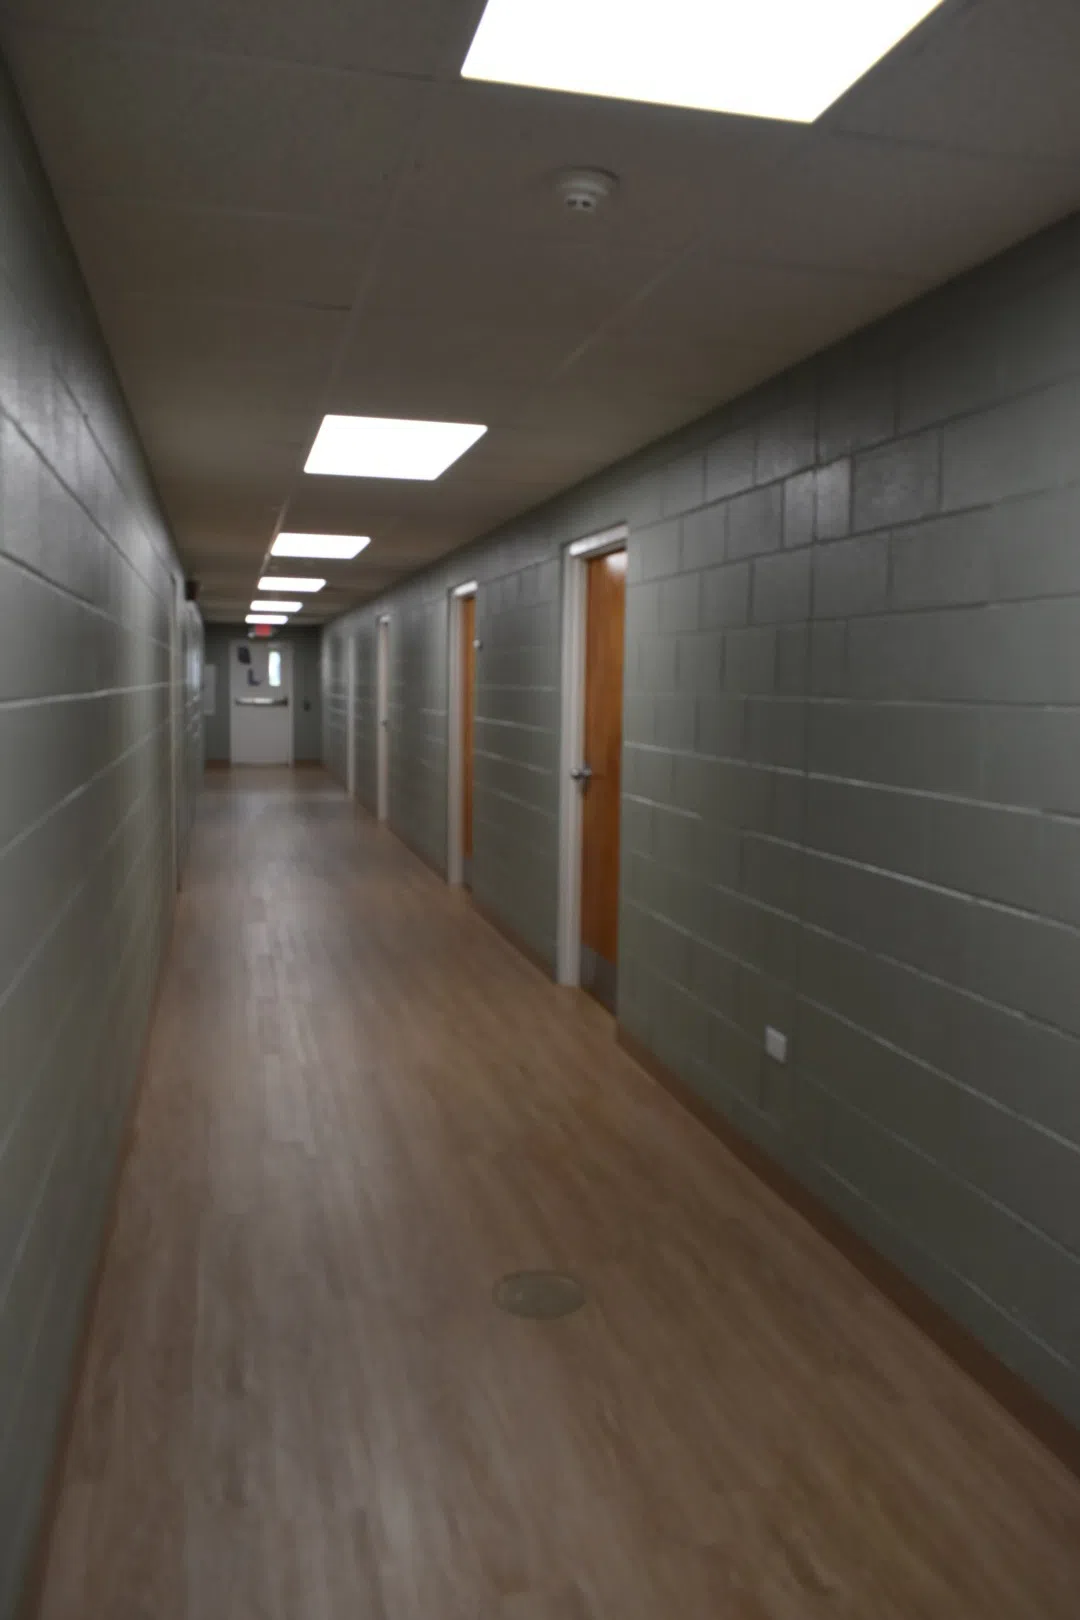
[490, 917]
[414, 849]
[297, 765]
[512, 938]
[29, 1604]
[1024, 1404]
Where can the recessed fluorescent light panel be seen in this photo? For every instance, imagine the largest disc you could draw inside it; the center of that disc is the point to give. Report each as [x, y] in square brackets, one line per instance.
[272, 606]
[266, 618]
[328, 547]
[761, 58]
[274, 582]
[388, 447]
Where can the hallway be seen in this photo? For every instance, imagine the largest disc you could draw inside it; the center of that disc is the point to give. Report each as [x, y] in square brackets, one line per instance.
[363, 1108]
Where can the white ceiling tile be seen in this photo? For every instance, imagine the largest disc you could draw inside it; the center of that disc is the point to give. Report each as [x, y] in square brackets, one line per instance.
[236, 173]
[493, 154]
[338, 505]
[999, 77]
[214, 131]
[709, 374]
[236, 398]
[389, 387]
[191, 459]
[611, 419]
[573, 273]
[429, 345]
[855, 203]
[177, 339]
[378, 36]
[713, 304]
[226, 510]
[196, 253]
[212, 421]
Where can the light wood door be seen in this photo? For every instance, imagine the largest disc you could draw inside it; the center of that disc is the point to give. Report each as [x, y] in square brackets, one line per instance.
[605, 616]
[468, 711]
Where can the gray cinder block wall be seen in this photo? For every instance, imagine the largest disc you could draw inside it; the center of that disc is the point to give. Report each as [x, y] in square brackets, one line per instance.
[852, 776]
[100, 668]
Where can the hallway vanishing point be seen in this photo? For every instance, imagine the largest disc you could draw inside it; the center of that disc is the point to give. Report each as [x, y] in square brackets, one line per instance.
[361, 1109]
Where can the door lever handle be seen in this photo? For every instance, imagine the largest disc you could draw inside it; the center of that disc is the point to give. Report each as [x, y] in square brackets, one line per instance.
[583, 773]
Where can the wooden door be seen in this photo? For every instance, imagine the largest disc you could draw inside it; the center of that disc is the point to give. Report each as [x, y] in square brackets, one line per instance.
[605, 615]
[468, 711]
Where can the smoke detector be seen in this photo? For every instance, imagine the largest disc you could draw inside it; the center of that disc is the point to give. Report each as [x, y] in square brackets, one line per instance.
[585, 191]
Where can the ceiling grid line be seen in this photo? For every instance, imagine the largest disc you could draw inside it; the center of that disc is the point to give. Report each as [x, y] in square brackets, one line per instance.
[287, 212]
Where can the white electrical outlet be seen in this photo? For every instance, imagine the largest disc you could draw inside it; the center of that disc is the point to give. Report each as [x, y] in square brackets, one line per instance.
[775, 1044]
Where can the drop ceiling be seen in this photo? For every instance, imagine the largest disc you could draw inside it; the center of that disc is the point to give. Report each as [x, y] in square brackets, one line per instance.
[284, 210]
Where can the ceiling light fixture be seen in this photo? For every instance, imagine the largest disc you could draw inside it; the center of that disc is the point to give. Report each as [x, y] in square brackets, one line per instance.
[328, 547]
[389, 447]
[274, 582]
[468, 589]
[266, 618]
[786, 59]
[270, 606]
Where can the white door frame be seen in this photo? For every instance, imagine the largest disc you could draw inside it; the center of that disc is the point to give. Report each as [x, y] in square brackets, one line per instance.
[574, 609]
[455, 738]
[351, 651]
[382, 717]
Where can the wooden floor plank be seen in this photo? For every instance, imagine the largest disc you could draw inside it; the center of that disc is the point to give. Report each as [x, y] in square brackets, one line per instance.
[300, 1402]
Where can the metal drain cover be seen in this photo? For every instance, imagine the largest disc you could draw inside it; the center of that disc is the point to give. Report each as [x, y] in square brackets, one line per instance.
[542, 1295]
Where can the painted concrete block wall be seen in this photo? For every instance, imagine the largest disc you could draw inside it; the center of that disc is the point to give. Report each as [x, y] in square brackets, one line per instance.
[189, 641]
[363, 648]
[332, 656]
[100, 670]
[851, 777]
[516, 758]
[307, 692]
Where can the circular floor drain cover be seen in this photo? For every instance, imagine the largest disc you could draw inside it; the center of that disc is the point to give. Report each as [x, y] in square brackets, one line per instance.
[542, 1295]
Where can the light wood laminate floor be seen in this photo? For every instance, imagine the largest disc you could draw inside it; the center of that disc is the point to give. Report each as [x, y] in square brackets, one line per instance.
[300, 1402]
